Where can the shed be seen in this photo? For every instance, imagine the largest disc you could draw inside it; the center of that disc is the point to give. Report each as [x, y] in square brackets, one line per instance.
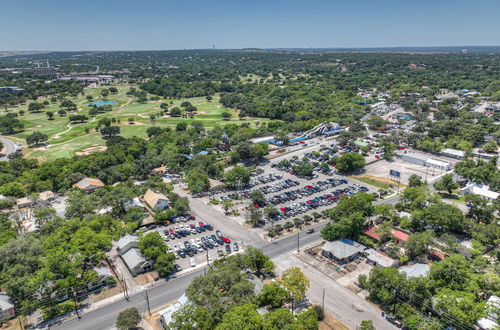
[342, 251]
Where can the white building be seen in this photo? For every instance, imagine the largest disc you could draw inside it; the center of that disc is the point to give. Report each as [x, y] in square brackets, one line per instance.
[453, 153]
[415, 270]
[478, 189]
[377, 258]
[167, 313]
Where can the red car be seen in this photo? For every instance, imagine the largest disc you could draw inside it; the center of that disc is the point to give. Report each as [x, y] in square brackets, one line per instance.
[377, 156]
[200, 224]
[192, 226]
[226, 240]
[401, 148]
[171, 231]
[192, 217]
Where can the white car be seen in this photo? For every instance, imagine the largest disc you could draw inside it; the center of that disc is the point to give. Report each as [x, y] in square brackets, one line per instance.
[176, 248]
[191, 262]
[169, 249]
[176, 228]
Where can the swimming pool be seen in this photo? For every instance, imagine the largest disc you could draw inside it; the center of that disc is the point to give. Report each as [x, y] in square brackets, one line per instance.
[101, 103]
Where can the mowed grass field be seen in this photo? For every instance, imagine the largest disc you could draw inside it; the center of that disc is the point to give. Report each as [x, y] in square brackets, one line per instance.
[66, 139]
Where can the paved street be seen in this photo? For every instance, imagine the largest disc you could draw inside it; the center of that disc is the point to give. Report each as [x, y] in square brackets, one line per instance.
[341, 303]
[10, 148]
[104, 317]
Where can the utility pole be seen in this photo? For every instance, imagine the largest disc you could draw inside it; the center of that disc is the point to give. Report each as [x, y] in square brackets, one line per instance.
[208, 261]
[298, 241]
[74, 301]
[147, 301]
[323, 300]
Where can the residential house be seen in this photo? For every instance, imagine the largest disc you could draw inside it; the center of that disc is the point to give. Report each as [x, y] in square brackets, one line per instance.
[6, 307]
[127, 248]
[136, 262]
[415, 270]
[155, 201]
[479, 189]
[89, 184]
[104, 278]
[342, 251]
[23, 202]
[167, 313]
[46, 195]
[127, 242]
[490, 321]
[380, 259]
[160, 171]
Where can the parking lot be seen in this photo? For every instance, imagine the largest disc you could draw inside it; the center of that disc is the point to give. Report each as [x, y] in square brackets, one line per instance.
[293, 196]
[193, 241]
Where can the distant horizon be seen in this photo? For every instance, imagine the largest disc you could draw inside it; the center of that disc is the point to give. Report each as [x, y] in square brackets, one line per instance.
[464, 47]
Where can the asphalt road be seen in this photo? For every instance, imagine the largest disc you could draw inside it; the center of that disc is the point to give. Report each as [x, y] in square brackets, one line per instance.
[11, 147]
[105, 317]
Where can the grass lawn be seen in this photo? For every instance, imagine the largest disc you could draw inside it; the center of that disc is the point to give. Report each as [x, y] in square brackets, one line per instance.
[382, 184]
[65, 139]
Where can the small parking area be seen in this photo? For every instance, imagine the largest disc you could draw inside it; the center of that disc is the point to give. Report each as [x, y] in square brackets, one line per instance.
[194, 241]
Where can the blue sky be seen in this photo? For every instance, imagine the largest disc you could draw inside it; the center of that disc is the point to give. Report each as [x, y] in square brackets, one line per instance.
[167, 24]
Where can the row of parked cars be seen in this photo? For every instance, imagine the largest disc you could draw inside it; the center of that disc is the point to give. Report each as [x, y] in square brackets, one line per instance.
[325, 199]
[305, 191]
[245, 193]
[263, 179]
[190, 248]
[180, 231]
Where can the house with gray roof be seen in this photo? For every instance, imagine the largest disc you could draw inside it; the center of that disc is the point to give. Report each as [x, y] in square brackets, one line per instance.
[135, 261]
[342, 251]
[415, 270]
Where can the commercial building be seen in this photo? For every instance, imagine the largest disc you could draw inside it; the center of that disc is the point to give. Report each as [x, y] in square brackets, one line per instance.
[12, 89]
[43, 71]
[423, 160]
[453, 153]
[484, 191]
[342, 251]
[97, 79]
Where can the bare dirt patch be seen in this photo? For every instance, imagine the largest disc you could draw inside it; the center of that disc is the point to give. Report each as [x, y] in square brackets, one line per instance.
[330, 323]
[88, 151]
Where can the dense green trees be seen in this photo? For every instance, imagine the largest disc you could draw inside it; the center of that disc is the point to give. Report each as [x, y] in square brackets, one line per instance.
[446, 183]
[349, 216]
[128, 319]
[237, 176]
[36, 138]
[349, 162]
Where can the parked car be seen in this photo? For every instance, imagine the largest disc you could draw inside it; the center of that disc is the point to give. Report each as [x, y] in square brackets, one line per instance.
[310, 231]
[192, 263]
[235, 247]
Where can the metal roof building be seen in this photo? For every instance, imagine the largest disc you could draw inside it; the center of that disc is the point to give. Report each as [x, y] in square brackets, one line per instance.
[342, 251]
